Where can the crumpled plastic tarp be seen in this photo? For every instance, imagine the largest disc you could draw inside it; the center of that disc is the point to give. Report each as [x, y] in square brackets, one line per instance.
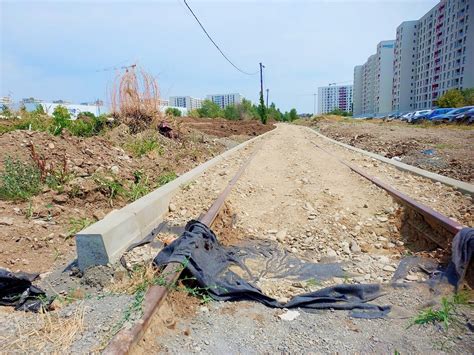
[213, 266]
[462, 251]
[16, 290]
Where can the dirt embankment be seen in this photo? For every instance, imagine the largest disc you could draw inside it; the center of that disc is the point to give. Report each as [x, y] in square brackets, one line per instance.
[446, 150]
[95, 175]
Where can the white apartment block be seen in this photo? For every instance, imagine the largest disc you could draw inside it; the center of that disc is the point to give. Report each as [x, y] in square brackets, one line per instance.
[403, 89]
[334, 97]
[187, 102]
[434, 54]
[357, 90]
[373, 82]
[224, 100]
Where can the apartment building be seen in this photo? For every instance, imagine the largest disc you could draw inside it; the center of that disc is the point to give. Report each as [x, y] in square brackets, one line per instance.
[373, 82]
[403, 89]
[334, 97]
[431, 56]
[224, 100]
[187, 102]
[357, 90]
[444, 52]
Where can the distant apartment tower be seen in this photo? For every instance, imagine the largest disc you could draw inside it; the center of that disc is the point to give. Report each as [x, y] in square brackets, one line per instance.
[224, 100]
[187, 102]
[357, 90]
[373, 82]
[334, 97]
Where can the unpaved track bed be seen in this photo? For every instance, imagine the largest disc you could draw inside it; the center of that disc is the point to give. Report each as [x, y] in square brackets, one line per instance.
[446, 149]
[310, 205]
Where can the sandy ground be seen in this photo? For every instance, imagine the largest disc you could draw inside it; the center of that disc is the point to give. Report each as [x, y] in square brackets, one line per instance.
[318, 210]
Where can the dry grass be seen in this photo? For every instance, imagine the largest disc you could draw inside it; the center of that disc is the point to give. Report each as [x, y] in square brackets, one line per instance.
[135, 99]
[139, 278]
[46, 332]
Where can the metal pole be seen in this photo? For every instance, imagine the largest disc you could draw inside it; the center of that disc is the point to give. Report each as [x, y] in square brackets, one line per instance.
[267, 97]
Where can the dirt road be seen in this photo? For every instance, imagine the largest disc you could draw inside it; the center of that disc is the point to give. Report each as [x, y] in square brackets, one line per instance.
[306, 203]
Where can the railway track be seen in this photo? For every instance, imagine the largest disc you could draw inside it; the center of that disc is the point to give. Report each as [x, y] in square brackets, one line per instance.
[441, 229]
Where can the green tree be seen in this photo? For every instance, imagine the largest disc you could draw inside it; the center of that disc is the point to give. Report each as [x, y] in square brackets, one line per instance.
[6, 110]
[173, 111]
[61, 119]
[274, 113]
[293, 115]
[231, 112]
[262, 111]
[39, 110]
[339, 112]
[468, 95]
[209, 109]
[451, 98]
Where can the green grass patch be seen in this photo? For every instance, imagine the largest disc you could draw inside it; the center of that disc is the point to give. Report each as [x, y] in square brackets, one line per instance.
[141, 146]
[166, 178]
[445, 314]
[19, 180]
[78, 224]
[110, 186]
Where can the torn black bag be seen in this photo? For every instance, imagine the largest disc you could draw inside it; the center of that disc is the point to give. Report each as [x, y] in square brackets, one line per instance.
[16, 290]
[210, 264]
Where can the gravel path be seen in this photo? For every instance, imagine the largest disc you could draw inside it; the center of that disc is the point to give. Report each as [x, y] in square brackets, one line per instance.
[318, 210]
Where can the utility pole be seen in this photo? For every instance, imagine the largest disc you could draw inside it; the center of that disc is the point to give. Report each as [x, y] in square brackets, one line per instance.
[267, 96]
[262, 108]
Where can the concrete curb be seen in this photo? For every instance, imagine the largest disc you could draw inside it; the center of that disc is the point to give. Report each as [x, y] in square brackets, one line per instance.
[460, 185]
[106, 240]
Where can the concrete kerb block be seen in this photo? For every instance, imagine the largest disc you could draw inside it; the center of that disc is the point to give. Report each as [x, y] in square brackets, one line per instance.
[105, 241]
[459, 185]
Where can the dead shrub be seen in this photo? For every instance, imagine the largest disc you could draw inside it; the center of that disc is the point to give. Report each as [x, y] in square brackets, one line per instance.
[135, 99]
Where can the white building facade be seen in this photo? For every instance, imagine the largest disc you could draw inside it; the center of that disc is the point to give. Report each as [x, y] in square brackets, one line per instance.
[224, 100]
[187, 102]
[403, 90]
[334, 97]
[444, 52]
[373, 82]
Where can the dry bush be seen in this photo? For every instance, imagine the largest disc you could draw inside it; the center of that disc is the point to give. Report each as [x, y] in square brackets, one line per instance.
[135, 99]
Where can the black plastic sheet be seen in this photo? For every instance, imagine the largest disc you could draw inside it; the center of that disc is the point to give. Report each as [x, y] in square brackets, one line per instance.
[17, 291]
[213, 266]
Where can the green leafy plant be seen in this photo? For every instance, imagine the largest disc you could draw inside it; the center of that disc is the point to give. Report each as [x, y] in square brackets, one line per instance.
[445, 314]
[173, 111]
[61, 119]
[166, 178]
[139, 187]
[142, 146]
[78, 224]
[19, 180]
[110, 186]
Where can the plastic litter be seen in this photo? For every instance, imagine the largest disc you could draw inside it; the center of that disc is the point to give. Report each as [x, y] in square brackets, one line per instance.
[17, 291]
[215, 269]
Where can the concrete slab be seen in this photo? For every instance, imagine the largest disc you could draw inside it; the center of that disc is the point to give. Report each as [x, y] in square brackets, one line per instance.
[105, 241]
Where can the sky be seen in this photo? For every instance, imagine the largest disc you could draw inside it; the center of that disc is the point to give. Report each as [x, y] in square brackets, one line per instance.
[58, 49]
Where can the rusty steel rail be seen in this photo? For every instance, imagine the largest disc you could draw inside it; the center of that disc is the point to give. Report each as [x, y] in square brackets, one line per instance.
[428, 213]
[125, 339]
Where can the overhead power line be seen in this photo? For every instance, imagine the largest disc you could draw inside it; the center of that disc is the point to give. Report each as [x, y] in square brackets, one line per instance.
[215, 44]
